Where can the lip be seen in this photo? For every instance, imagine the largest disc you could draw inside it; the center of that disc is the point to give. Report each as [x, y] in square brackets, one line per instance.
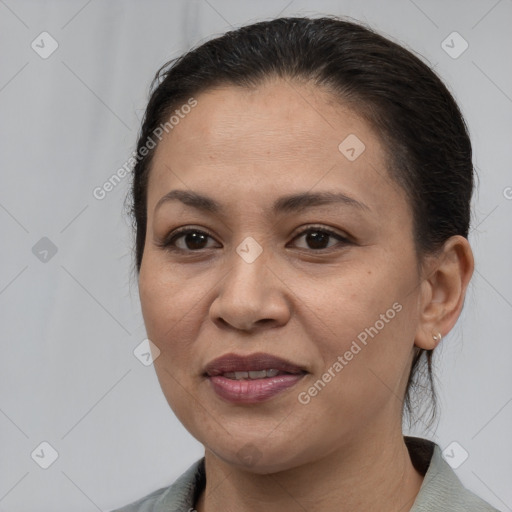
[252, 390]
[251, 362]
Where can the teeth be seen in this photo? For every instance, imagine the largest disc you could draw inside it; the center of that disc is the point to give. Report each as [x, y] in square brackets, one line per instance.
[262, 374]
[259, 374]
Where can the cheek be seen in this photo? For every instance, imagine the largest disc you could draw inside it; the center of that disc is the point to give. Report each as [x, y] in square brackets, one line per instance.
[172, 320]
[351, 299]
[368, 318]
[362, 369]
[170, 308]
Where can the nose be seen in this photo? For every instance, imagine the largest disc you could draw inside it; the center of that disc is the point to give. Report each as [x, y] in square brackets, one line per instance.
[251, 296]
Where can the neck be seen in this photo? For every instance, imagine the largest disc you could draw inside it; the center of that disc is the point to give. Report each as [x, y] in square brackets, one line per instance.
[374, 475]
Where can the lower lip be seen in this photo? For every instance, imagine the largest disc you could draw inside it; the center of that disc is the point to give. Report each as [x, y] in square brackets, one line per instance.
[252, 391]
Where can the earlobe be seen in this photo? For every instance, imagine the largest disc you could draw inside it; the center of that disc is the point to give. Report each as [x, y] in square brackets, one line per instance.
[427, 342]
[443, 291]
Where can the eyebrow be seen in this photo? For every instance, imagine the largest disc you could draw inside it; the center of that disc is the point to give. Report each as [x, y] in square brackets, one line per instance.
[284, 204]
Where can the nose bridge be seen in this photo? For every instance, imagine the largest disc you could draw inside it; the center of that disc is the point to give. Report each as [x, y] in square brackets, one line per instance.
[250, 292]
[248, 276]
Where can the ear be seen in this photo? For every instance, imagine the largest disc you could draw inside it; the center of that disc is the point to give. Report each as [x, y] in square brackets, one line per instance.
[443, 290]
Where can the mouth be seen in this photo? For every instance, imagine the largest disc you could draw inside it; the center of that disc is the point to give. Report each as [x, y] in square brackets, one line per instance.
[257, 374]
[251, 379]
[251, 367]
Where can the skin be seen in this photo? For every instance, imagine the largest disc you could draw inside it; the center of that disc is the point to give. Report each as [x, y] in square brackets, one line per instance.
[344, 450]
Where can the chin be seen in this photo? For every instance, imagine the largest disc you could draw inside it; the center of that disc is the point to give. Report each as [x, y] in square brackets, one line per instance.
[259, 457]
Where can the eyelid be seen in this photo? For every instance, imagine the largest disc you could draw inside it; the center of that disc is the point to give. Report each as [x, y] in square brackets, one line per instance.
[319, 227]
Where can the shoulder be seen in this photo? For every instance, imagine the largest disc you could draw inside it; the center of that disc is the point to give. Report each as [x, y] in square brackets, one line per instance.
[180, 496]
[441, 489]
[150, 503]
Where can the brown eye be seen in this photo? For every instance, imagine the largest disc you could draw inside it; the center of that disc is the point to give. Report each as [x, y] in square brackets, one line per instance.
[321, 238]
[187, 240]
[194, 240]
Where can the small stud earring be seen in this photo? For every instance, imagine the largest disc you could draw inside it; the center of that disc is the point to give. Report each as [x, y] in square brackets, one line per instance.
[437, 337]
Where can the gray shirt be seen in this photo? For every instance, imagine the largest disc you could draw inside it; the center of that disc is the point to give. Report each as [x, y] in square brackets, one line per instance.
[441, 490]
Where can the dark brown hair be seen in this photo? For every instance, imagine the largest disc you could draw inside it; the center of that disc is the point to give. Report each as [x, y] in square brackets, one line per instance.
[416, 117]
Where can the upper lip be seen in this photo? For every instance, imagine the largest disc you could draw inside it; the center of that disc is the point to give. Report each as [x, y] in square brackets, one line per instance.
[248, 363]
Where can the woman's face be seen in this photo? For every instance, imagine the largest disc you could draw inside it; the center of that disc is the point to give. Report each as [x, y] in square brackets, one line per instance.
[341, 307]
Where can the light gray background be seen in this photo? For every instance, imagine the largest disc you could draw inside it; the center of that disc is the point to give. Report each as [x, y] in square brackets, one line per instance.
[68, 375]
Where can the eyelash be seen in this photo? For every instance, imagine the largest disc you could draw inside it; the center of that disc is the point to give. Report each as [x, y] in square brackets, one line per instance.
[168, 242]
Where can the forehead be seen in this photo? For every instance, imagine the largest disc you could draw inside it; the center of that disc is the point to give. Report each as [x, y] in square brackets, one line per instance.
[274, 138]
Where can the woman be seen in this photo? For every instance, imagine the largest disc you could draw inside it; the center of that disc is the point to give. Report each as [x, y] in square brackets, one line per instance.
[301, 201]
